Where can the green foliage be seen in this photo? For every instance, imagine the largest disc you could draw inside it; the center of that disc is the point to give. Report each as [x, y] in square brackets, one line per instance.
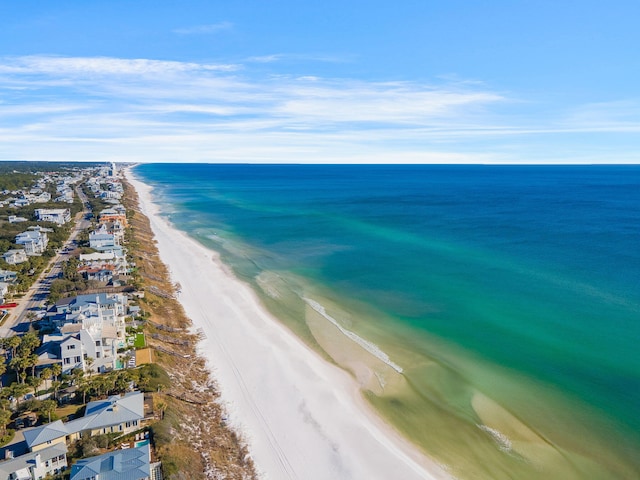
[17, 181]
[152, 378]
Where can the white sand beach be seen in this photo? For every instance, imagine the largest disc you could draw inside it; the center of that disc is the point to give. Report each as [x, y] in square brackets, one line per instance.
[302, 417]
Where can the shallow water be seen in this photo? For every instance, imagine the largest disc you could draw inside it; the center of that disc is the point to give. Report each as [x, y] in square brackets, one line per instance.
[490, 313]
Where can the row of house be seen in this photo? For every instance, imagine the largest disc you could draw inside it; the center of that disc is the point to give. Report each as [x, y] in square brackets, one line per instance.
[40, 451]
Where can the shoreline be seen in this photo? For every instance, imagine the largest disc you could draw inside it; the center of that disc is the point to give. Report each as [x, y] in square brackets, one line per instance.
[301, 416]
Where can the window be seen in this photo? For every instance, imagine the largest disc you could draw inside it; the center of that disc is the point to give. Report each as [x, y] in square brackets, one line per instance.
[97, 354]
[76, 359]
[97, 343]
[67, 361]
[71, 347]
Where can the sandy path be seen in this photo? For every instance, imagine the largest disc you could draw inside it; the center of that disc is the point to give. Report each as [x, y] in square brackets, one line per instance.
[302, 417]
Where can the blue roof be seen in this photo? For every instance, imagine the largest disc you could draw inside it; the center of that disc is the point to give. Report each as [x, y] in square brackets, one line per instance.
[113, 411]
[129, 464]
[24, 461]
[45, 433]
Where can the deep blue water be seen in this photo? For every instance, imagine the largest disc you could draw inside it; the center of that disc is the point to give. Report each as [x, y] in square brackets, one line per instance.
[533, 267]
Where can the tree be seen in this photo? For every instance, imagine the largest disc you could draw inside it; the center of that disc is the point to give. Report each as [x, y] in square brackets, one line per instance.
[161, 406]
[46, 375]
[18, 390]
[3, 368]
[56, 384]
[34, 382]
[5, 418]
[28, 343]
[19, 365]
[56, 370]
[32, 361]
[12, 343]
[89, 361]
[48, 407]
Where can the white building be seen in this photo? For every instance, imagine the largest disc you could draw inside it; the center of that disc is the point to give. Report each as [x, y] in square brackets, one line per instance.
[36, 465]
[34, 241]
[101, 239]
[59, 216]
[14, 257]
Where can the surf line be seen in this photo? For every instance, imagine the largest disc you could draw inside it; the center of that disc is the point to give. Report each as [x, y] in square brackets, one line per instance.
[370, 347]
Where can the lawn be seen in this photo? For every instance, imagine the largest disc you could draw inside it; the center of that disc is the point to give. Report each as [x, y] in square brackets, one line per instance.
[139, 341]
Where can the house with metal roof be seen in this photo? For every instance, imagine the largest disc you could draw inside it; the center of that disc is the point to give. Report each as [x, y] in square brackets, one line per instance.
[35, 465]
[127, 464]
[117, 414]
[15, 256]
[44, 436]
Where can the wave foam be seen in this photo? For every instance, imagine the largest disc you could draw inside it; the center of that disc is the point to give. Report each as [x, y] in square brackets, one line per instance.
[504, 442]
[370, 347]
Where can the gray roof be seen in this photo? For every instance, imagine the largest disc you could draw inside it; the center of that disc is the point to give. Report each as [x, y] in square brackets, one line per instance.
[128, 464]
[45, 433]
[113, 411]
[24, 461]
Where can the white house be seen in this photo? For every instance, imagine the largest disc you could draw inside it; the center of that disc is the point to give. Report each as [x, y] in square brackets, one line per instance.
[101, 239]
[4, 289]
[35, 465]
[13, 257]
[8, 276]
[100, 344]
[34, 241]
[16, 219]
[59, 216]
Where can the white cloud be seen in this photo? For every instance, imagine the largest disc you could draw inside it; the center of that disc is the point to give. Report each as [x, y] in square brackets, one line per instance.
[99, 108]
[204, 29]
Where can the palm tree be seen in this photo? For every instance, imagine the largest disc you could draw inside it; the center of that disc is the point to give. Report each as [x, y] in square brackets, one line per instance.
[35, 382]
[18, 390]
[89, 361]
[161, 406]
[3, 368]
[56, 370]
[5, 418]
[46, 375]
[47, 407]
[56, 384]
[12, 343]
[28, 343]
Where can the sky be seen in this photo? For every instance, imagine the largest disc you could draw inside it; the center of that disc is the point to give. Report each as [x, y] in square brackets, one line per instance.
[350, 81]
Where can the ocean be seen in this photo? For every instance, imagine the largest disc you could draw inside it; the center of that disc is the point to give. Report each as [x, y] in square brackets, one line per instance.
[489, 313]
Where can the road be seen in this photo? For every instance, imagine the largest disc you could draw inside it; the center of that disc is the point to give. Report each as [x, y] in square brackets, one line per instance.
[17, 321]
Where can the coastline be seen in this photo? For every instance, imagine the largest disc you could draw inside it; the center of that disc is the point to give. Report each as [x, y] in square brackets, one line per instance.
[302, 416]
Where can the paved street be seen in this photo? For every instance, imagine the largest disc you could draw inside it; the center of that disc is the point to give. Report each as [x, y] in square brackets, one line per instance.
[34, 298]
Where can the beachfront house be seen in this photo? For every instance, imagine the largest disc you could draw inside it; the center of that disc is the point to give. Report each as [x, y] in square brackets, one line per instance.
[59, 216]
[34, 241]
[130, 464]
[4, 290]
[37, 465]
[116, 213]
[101, 239]
[121, 414]
[73, 345]
[14, 257]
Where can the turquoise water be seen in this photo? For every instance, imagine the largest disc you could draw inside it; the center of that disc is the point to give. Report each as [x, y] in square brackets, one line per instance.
[522, 281]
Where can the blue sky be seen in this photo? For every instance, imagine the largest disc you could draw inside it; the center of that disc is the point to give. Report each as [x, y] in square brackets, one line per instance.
[446, 81]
